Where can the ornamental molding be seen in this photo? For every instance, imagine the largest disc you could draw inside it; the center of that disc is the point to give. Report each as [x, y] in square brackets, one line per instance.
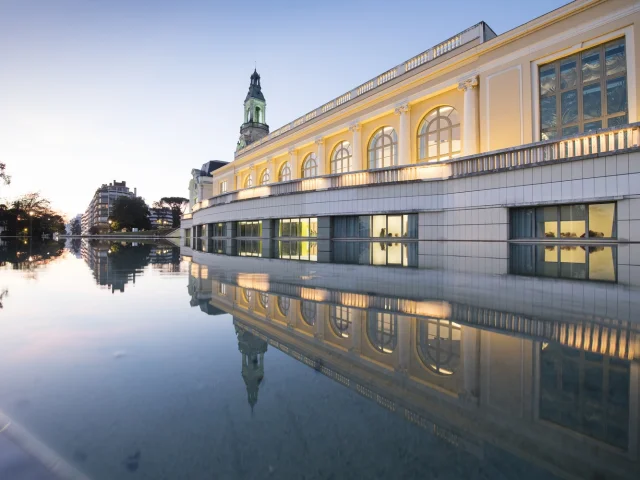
[355, 127]
[468, 84]
[404, 108]
[319, 141]
[292, 150]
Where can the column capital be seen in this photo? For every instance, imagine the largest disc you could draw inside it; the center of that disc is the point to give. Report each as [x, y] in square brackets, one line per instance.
[251, 167]
[269, 159]
[468, 84]
[355, 127]
[292, 150]
[404, 108]
[319, 141]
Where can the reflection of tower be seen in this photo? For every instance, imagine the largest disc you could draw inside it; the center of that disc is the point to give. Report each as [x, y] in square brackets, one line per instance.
[253, 349]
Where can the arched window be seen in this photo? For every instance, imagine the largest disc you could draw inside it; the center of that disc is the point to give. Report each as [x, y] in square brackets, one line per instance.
[341, 158]
[264, 177]
[308, 312]
[247, 294]
[341, 320]
[382, 330]
[284, 175]
[263, 298]
[283, 305]
[383, 148]
[439, 345]
[248, 181]
[439, 135]
[310, 166]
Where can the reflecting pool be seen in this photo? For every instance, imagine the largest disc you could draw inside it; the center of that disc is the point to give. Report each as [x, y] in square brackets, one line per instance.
[160, 362]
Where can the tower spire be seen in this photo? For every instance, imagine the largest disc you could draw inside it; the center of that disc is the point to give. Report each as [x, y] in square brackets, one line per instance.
[255, 126]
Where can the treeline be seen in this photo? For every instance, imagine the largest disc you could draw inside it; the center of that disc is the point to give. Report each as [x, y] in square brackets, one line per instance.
[30, 215]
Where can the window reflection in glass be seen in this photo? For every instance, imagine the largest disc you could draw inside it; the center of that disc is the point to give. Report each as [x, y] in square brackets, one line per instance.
[308, 312]
[284, 304]
[382, 331]
[573, 221]
[341, 320]
[439, 345]
[547, 222]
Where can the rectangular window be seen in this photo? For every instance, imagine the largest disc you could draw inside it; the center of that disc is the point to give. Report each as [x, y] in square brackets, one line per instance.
[249, 248]
[250, 229]
[217, 229]
[399, 254]
[298, 227]
[376, 226]
[298, 250]
[569, 222]
[223, 187]
[584, 92]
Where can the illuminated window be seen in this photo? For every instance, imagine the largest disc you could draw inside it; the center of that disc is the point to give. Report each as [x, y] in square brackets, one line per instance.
[310, 166]
[223, 187]
[264, 177]
[584, 92]
[283, 305]
[298, 227]
[341, 319]
[382, 330]
[284, 175]
[383, 148]
[308, 312]
[341, 158]
[250, 229]
[247, 294]
[248, 181]
[439, 345]
[439, 135]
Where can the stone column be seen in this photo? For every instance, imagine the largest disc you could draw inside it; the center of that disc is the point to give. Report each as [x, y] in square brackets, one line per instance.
[320, 156]
[404, 343]
[356, 147]
[470, 124]
[358, 319]
[471, 363]
[293, 163]
[318, 330]
[404, 138]
[272, 173]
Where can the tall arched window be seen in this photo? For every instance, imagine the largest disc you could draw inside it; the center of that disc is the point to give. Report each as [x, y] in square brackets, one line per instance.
[264, 177]
[284, 175]
[383, 148]
[439, 135]
[248, 181]
[283, 305]
[439, 345]
[263, 298]
[309, 166]
[341, 318]
[308, 312]
[341, 158]
[382, 329]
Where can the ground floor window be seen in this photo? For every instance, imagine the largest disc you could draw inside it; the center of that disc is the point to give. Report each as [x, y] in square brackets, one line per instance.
[297, 227]
[250, 229]
[582, 262]
[217, 229]
[399, 254]
[596, 220]
[217, 246]
[298, 250]
[376, 226]
[249, 248]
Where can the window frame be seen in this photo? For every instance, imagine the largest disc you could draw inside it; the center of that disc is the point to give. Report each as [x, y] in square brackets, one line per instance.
[309, 166]
[265, 177]
[377, 144]
[281, 175]
[423, 133]
[339, 149]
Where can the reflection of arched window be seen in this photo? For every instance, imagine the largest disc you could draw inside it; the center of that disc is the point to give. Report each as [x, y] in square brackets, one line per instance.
[341, 158]
[264, 300]
[382, 329]
[310, 166]
[308, 312]
[439, 135]
[283, 305]
[247, 294]
[341, 320]
[383, 148]
[284, 175]
[264, 177]
[439, 345]
[248, 182]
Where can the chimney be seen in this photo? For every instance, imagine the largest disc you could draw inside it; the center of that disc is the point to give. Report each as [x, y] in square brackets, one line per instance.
[135, 192]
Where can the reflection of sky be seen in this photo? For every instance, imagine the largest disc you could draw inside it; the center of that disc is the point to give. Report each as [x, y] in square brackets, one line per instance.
[159, 84]
[99, 377]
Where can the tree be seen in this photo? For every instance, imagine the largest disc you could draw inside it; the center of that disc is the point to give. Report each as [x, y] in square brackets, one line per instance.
[94, 230]
[76, 228]
[4, 177]
[33, 202]
[177, 206]
[131, 212]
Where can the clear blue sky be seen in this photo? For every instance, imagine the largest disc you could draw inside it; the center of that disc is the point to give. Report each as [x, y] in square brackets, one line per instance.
[145, 90]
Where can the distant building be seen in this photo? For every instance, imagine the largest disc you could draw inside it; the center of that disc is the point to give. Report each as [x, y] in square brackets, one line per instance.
[160, 217]
[101, 206]
[201, 184]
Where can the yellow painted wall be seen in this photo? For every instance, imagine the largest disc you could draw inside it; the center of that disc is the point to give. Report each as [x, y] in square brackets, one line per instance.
[370, 127]
[330, 144]
[503, 110]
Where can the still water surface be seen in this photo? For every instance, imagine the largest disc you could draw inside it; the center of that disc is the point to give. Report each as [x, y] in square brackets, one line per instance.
[142, 361]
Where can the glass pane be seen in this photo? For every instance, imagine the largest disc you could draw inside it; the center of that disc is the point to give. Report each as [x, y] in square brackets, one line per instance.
[444, 142]
[364, 226]
[547, 222]
[547, 260]
[568, 73]
[379, 226]
[433, 145]
[547, 80]
[394, 223]
[570, 131]
[394, 254]
[573, 262]
[601, 264]
[313, 227]
[615, 121]
[615, 58]
[455, 139]
[549, 134]
[616, 95]
[569, 102]
[601, 220]
[590, 66]
[548, 112]
[589, 127]
[573, 221]
[379, 253]
[591, 102]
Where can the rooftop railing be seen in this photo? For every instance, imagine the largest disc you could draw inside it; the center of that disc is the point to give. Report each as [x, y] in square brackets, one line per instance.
[600, 142]
[463, 38]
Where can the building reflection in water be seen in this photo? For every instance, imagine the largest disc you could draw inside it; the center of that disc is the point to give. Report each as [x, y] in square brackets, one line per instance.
[115, 264]
[464, 358]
